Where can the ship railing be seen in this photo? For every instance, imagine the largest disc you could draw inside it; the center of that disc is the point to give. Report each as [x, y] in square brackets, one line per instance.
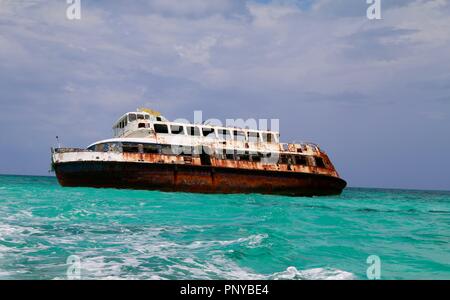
[67, 150]
[312, 145]
[303, 146]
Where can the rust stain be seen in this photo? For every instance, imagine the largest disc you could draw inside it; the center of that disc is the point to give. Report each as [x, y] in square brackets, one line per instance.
[237, 164]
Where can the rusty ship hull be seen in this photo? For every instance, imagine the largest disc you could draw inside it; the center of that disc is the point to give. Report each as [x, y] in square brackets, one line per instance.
[196, 179]
[151, 153]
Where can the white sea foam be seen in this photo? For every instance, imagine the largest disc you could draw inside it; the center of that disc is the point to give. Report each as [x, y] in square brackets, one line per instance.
[99, 267]
[250, 241]
[139, 266]
[13, 230]
[152, 256]
[218, 266]
[313, 274]
[221, 268]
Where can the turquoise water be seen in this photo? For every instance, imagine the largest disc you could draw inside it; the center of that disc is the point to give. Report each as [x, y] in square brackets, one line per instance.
[155, 235]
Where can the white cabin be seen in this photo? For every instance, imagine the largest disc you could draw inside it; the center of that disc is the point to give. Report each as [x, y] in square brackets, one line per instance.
[159, 130]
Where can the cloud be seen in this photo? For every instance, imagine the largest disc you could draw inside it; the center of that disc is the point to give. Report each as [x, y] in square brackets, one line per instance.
[193, 9]
[197, 53]
[353, 8]
[196, 8]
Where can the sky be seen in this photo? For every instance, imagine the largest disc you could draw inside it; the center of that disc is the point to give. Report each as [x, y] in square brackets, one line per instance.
[374, 94]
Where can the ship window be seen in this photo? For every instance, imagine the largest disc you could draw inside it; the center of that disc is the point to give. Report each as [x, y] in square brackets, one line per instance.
[98, 148]
[140, 117]
[193, 130]
[219, 153]
[132, 117]
[152, 149]
[197, 150]
[319, 162]
[270, 157]
[185, 150]
[161, 128]
[268, 137]
[227, 153]
[224, 134]
[253, 137]
[301, 160]
[158, 119]
[141, 125]
[190, 150]
[177, 129]
[130, 148]
[147, 117]
[243, 156]
[208, 131]
[286, 159]
[140, 148]
[256, 157]
[114, 147]
[167, 149]
[239, 135]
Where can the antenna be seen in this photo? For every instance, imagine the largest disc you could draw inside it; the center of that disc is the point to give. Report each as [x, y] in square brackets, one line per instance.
[57, 141]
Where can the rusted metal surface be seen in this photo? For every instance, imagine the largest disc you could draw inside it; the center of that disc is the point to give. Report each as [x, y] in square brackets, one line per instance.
[256, 164]
[68, 156]
[186, 173]
[201, 179]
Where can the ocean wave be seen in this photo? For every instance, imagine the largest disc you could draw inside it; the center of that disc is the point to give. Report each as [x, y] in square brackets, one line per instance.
[3, 250]
[251, 241]
[14, 230]
[399, 211]
[439, 212]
